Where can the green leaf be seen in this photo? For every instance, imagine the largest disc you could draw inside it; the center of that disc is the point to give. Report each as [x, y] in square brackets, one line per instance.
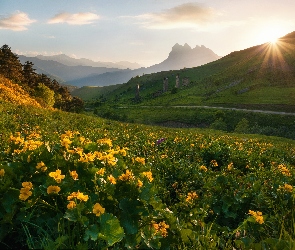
[187, 235]
[132, 240]
[110, 229]
[9, 199]
[147, 192]
[91, 232]
[71, 215]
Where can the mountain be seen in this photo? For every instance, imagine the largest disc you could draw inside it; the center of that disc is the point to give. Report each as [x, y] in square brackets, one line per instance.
[179, 57]
[64, 72]
[262, 76]
[69, 61]
[186, 57]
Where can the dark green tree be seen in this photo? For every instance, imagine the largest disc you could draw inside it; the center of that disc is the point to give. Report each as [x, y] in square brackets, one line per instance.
[10, 66]
[29, 74]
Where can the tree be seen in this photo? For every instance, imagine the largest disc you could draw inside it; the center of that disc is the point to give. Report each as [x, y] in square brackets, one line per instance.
[10, 66]
[29, 74]
[44, 95]
[242, 127]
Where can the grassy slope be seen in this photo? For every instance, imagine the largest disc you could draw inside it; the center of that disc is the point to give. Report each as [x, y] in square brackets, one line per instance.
[14, 93]
[263, 74]
[181, 165]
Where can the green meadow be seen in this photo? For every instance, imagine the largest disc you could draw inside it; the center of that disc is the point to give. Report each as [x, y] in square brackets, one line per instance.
[78, 181]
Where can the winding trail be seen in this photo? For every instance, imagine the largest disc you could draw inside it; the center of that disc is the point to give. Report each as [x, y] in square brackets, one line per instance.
[212, 107]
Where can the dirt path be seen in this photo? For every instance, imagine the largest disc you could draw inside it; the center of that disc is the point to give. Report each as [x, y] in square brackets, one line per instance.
[237, 109]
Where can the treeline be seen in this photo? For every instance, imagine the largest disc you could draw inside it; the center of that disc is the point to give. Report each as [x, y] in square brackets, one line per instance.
[48, 92]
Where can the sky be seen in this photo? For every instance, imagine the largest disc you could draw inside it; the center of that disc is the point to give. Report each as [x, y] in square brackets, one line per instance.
[142, 31]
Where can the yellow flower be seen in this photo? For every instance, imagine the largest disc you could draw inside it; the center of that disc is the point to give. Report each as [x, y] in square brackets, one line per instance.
[214, 163]
[257, 215]
[101, 171]
[203, 168]
[123, 151]
[57, 175]
[105, 141]
[78, 195]
[53, 189]
[98, 209]
[161, 228]
[74, 175]
[285, 171]
[286, 187]
[27, 184]
[112, 179]
[111, 159]
[65, 142]
[230, 166]
[148, 175]
[71, 205]
[41, 166]
[191, 196]
[139, 183]
[82, 197]
[140, 160]
[127, 176]
[25, 192]
[2, 172]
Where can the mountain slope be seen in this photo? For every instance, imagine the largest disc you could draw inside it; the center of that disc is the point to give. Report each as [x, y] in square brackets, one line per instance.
[260, 75]
[179, 57]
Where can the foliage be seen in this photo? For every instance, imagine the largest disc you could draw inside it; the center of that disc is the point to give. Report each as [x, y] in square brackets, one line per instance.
[118, 185]
[44, 95]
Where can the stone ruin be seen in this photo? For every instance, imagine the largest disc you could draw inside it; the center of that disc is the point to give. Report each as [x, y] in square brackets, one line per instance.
[165, 84]
[177, 82]
[137, 93]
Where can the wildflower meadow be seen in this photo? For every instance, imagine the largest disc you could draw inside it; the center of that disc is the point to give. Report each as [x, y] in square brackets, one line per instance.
[79, 182]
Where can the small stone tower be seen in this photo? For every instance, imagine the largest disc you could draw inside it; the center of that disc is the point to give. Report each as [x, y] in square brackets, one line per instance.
[177, 81]
[165, 84]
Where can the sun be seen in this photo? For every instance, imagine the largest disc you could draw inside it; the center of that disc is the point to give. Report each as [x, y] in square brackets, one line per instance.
[270, 32]
[273, 40]
[271, 35]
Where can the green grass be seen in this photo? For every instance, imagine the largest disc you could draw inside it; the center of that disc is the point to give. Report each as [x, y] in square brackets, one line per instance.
[204, 184]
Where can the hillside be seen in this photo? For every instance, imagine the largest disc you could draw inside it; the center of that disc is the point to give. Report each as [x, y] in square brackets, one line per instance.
[262, 75]
[13, 93]
[98, 184]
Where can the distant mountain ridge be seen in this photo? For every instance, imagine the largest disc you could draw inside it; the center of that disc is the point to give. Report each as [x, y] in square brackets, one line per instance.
[85, 72]
[69, 61]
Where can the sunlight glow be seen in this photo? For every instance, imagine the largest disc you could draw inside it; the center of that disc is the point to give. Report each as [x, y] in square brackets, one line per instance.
[273, 40]
[270, 32]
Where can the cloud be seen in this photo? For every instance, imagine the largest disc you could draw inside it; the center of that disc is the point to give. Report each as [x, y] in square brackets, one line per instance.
[184, 15]
[16, 22]
[74, 19]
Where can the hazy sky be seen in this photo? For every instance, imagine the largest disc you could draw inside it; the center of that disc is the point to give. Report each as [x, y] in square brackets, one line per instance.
[142, 31]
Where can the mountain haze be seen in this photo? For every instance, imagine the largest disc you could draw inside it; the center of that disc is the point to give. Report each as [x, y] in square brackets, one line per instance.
[179, 57]
[85, 72]
[69, 61]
